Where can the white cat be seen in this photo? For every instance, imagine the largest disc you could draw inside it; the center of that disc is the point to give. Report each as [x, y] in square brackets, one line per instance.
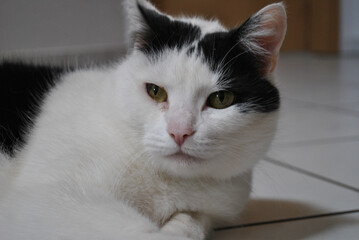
[158, 146]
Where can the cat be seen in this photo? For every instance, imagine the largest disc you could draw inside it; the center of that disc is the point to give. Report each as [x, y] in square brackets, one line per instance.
[160, 145]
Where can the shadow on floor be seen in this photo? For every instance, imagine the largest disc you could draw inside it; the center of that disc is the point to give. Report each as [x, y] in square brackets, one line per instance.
[282, 219]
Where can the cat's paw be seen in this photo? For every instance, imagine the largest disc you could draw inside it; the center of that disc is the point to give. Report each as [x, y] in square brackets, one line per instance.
[172, 237]
[158, 236]
[185, 225]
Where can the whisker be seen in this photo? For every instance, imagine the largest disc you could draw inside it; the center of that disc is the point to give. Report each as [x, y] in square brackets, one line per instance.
[235, 45]
[238, 55]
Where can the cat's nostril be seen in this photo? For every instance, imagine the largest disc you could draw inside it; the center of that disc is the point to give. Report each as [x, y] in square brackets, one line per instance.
[180, 137]
[173, 136]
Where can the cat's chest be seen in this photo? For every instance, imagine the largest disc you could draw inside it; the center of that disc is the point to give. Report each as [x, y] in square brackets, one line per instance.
[159, 196]
[152, 194]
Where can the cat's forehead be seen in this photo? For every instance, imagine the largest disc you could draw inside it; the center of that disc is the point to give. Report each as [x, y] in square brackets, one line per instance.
[179, 71]
[177, 55]
[163, 32]
[205, 26]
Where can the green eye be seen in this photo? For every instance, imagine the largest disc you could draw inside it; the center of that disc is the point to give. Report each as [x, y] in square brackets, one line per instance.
[157, 93]
[220, 99]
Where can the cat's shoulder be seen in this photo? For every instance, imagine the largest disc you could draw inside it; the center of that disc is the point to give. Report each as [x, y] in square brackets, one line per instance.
[22, 89]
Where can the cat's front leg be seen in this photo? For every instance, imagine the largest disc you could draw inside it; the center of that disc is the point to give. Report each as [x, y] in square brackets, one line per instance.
[192, 225]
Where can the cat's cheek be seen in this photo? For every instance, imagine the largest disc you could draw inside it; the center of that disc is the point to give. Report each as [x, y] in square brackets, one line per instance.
[156, 140]
[218, 123]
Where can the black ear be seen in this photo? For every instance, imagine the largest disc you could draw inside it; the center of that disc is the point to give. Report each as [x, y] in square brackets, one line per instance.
[148, 24]
[263, 34]
[152, 31]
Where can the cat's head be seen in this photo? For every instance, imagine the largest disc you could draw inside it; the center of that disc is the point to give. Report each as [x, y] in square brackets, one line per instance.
[205, 104]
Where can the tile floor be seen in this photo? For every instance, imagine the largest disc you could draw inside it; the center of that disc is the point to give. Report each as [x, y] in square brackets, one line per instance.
[308, 185]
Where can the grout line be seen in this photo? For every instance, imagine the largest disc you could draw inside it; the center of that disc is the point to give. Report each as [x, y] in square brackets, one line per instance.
[324, 106]
[288, 220]
[288, 166]
[318, 141]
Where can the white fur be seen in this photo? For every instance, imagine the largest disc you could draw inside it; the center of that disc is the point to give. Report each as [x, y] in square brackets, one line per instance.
[96, 164]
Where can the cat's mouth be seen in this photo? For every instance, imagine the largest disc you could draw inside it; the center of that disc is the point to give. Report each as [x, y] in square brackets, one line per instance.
[180, 155]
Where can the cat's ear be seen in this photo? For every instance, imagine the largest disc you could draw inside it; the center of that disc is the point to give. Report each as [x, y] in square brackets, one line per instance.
[144, 22]
[263, 34]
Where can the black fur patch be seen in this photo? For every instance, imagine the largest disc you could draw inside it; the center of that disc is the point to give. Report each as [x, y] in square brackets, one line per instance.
[22, 89]
[164, 33]
[241, 71]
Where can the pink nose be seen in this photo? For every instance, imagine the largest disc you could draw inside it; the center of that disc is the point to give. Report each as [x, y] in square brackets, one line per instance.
[180, 135]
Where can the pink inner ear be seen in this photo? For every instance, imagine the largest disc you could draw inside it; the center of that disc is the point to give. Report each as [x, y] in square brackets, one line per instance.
[140, 43]
[273, 21]
[269, 33]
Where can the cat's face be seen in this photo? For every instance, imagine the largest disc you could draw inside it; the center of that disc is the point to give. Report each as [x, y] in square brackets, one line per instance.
[205, 105]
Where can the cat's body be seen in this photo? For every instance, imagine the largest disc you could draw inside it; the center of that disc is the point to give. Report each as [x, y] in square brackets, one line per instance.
[105, 161]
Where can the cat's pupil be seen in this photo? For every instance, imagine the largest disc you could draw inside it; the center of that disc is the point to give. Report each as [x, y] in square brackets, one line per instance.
[155, 90]
[220, 96]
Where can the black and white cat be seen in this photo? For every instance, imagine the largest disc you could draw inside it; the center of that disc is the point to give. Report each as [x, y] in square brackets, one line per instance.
[158, 146]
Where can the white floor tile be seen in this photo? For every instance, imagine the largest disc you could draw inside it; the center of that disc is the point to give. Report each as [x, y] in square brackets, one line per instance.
[326, 228]
[300, 123]
[279, 193]
[328, 81]
[337, 161]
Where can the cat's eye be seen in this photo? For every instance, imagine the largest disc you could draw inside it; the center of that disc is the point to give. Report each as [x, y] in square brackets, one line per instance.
[157, 93]
[220, 99]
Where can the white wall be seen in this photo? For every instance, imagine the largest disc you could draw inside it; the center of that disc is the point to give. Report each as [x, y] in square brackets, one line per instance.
[55, 27]
[72, 27]
[349, 25]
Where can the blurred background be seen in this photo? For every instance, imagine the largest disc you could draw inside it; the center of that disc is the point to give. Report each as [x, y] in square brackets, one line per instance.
[79, 28]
